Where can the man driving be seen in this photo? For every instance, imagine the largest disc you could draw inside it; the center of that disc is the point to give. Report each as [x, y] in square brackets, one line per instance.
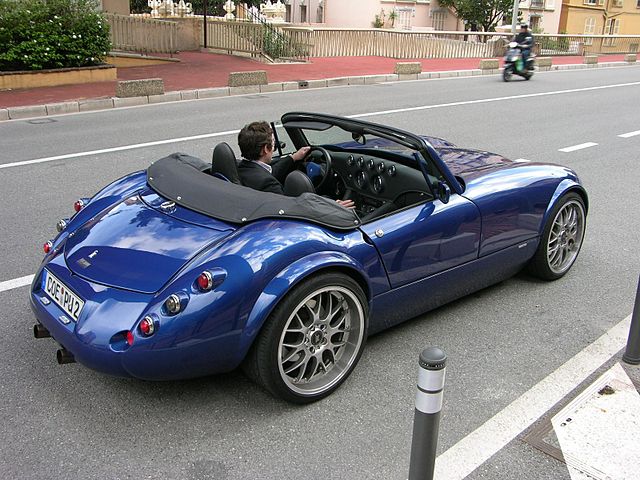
[257, 170]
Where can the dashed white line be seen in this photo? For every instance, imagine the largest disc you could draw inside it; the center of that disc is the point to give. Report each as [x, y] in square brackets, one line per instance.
[630, 134]
[16, 283]
[487, 440]
[577, 147]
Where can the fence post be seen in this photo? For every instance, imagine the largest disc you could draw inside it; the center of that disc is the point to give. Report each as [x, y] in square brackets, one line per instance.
[427, 413]
[632, 353]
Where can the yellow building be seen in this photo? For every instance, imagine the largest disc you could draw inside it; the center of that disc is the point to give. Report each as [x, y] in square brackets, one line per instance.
[600, 17]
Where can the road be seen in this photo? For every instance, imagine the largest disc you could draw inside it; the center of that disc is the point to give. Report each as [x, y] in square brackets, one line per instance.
[70, 422]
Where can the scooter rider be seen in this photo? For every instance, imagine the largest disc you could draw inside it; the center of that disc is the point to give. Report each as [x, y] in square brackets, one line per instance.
[525, 42]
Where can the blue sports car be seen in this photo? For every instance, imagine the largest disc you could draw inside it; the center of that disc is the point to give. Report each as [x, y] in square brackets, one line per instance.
[180, 271]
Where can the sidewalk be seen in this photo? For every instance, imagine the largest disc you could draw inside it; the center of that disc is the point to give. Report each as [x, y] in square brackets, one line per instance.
[200, 70]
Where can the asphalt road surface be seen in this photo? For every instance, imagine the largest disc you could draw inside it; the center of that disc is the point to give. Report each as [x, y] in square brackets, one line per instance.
[70, 422]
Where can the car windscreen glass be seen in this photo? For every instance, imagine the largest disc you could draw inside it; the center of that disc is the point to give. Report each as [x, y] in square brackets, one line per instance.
[342, 138]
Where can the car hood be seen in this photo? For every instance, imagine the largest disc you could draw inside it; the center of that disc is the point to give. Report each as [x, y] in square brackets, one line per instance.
[469, 164]
[138, 245]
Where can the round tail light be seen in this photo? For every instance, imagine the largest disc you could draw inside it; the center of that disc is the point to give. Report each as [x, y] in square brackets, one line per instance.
[173, 304]
[79, 205]
[147, 326]
[205, 281]
[61, 225]
[47, 247]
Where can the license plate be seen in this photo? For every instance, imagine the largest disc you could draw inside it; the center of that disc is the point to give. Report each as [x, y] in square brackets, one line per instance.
[60, 293]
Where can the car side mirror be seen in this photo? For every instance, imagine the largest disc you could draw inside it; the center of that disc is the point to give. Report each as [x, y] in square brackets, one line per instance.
[358, 138]
[444, 192]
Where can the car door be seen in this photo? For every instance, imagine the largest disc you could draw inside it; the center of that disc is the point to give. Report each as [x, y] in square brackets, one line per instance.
[426, 238]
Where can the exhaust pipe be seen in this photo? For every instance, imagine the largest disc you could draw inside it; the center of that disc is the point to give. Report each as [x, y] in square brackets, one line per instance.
[64, 356]
[40, 332]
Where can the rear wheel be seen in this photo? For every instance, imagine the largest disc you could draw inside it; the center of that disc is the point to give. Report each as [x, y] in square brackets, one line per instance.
[561, 239]
[507, 73]
[312, 340]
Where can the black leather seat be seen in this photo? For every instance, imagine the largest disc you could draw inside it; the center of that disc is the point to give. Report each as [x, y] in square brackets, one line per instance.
[297, 183]
[224, 163]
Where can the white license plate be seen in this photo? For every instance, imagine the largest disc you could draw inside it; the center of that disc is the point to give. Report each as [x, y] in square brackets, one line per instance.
[60, 293]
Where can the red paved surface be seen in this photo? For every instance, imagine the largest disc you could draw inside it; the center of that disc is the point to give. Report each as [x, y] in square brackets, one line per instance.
[203, 70]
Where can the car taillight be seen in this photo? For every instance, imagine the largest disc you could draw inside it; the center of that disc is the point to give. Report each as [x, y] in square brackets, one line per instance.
[130, 338]
[79, 204]
[173, 304]
[61, 225]
[47, 247]
[147, 326]
[205, 281]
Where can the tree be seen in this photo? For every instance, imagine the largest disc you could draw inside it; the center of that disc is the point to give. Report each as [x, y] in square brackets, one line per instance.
[480, 15]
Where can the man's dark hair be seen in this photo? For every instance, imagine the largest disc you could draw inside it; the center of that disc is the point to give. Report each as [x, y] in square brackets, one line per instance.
[253, 137]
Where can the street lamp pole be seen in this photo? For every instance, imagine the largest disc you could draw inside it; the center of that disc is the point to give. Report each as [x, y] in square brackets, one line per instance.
[205, 23]
[514, 20]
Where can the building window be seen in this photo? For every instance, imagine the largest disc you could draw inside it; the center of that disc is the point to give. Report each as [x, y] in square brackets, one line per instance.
[617, 3]
[589, 29]
[303, 14]
[438, 20]
[612, 27]
[590, 2]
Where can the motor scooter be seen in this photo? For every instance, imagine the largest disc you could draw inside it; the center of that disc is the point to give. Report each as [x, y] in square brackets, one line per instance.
[514, 65]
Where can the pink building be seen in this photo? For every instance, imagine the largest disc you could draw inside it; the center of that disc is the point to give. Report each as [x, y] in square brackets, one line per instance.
[408, 14]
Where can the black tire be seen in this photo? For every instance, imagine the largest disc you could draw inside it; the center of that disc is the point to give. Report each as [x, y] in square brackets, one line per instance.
[324, 366]
[541, 265]
[507, 72]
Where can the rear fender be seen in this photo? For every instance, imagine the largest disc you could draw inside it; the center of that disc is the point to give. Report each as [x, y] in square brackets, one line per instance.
[281, 284]
[566, 186]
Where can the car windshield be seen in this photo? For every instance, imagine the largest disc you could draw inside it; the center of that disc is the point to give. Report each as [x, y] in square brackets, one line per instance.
[338, 136]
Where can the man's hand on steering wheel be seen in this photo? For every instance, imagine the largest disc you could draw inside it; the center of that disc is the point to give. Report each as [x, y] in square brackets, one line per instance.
[301, 154]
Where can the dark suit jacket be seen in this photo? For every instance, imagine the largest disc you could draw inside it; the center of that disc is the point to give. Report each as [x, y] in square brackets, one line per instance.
[257, 177]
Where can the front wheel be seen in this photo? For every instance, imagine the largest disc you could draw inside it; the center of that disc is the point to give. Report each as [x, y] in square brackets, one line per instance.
[312, 340]
[507, 73]
[561, 239]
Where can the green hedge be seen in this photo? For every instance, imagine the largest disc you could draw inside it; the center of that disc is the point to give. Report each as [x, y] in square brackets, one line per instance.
[44, 34]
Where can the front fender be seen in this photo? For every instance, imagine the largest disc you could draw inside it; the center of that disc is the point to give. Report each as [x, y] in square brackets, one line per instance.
[293, 274]
[564, 187]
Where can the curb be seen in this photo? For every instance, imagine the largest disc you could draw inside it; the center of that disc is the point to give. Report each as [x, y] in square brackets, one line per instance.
[95, 104]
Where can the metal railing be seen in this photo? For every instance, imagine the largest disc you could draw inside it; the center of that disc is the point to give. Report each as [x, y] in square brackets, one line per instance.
[143, 35]
[330, 42]
[255, 36]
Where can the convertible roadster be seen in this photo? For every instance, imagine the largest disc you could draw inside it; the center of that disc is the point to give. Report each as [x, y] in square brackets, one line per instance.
[180, 271]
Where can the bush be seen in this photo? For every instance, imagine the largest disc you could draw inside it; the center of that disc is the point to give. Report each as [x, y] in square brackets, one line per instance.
[42, 34]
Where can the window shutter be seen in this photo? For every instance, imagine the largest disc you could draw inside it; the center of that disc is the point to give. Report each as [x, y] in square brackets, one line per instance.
[607, 27]
[616, 27]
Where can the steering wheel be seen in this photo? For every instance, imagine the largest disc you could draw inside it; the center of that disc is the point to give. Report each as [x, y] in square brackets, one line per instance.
[318, 166]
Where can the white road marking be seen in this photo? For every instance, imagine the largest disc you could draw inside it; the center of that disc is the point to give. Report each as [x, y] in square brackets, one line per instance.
[118, 149]
[359, 115]
[577, 147]
[630, 134]
[495, 99]
[521, 160]
[487, 440]
[16, 283]
[598, 432]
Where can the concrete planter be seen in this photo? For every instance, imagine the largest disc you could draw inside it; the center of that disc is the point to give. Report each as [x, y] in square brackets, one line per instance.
[57, 77]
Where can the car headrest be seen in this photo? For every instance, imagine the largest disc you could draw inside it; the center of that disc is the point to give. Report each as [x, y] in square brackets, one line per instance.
[297, 183]
[224, 163]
